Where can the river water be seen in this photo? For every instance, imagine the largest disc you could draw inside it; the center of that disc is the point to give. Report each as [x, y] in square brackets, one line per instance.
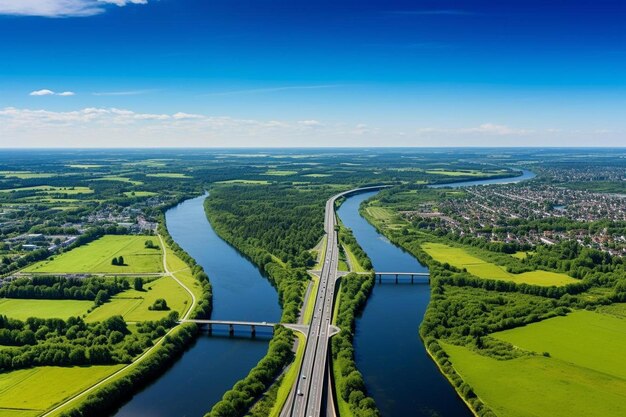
[398, 372]
[399, 375]
[213, 364]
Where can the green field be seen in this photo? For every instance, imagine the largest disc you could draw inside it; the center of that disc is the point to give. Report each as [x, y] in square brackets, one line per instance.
[85, 166]
[22, 309]
[119, 179]
[168, 175]
[33, 390]
[251, 182]
[278, 173]
[460, 258]
[585, 374]
[26, 175]
[133, 305]
[583, 338]
[539, 386]
[139, 193]
[47, 189]
[380, 213]
[96, 256]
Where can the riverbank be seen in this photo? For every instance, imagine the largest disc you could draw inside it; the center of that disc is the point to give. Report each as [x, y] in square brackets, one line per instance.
[389, 351]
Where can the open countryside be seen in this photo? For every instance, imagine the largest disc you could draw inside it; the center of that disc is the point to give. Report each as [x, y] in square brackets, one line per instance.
[460, 258]
[330, 208]
[96, 257]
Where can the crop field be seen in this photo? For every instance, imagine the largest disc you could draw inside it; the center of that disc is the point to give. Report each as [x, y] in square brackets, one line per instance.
[47, 189]
[539, 386]
[22, 309]
[139, 193]
[119, 179]
[460, 258]
[168, 175]
[380, 213]
[85, 166]
[583, 338]
[317, 175]
[27, 392]
[95, 257]
[251, 182]
[25, 175]
[134, 305]
[279, 173]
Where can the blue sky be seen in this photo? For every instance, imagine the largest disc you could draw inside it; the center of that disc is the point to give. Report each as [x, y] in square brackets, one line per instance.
[322, 73]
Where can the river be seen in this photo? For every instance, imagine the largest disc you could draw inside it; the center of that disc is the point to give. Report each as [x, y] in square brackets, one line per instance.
[398, 373]
[389, 352]
[213, 364]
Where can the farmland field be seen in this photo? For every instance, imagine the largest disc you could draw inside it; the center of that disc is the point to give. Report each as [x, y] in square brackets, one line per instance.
[584, 338]
[46, 189]
[22, 309]
[584, 375]
[96, 257]
[119, 179]
[32, 390]
[460, 258]
[133, 305]
[380, 213]
[278, 173]
[139, 193]
[25, 175]
[168, 175]
[254, 182]
[539, 386]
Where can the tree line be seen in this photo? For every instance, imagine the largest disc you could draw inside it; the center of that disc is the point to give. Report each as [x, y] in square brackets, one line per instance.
[72, 342]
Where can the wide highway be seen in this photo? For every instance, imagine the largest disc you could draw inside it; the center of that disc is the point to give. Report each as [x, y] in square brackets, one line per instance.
[310, 383]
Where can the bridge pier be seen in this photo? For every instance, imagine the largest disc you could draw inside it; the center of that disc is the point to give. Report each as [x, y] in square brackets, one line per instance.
[210, 329]
[396, 278]
[231, 329]
[253, 330]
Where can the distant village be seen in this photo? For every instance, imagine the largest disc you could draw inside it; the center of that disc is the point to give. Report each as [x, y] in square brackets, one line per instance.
[131, 218]
[506, 213]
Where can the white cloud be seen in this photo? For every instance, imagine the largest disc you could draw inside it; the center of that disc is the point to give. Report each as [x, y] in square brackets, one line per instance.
[60, 8]
[46, 92]
[121, 3]
[483, 129]
[43, 92]
[115, 127]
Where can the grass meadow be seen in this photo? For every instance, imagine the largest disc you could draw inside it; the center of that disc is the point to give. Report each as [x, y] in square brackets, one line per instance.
[461, 258]
[95, 257]
[134, 305]
[28, 392]
[22, 309]
[584, 375]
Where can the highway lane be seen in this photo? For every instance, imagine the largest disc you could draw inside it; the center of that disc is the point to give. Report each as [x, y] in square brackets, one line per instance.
[311, 380]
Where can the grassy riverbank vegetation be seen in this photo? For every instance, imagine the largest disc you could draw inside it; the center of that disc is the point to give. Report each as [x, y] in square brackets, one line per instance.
[496, 321]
